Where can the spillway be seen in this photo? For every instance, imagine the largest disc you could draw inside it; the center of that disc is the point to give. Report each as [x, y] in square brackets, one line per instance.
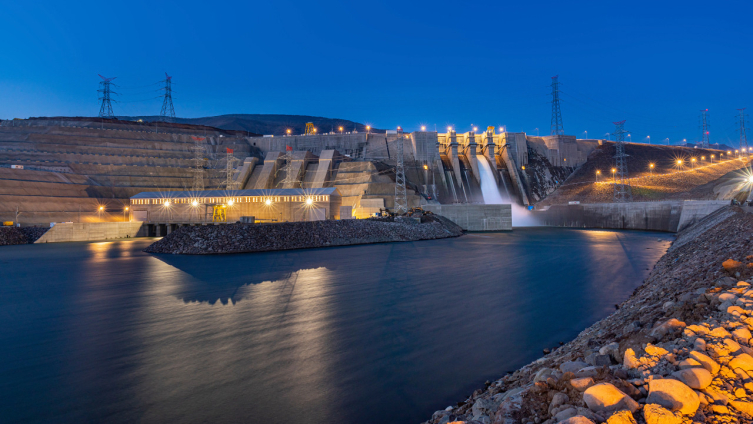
[488, 183]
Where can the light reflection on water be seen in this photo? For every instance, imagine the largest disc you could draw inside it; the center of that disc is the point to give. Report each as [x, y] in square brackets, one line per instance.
[368, 334]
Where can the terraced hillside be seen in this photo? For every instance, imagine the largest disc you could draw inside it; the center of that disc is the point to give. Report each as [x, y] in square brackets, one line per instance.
[698, 177]
[72, 167]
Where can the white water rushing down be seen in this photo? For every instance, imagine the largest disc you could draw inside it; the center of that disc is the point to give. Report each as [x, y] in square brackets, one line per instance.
[521, 217]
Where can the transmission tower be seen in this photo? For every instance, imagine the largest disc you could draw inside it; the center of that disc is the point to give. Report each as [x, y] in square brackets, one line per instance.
[230, 170]
[743, 130]
[622, 191]
[105, 110]
[198, 163]
[705, 128]
[401, 198]
[557, 128]
[167, 113]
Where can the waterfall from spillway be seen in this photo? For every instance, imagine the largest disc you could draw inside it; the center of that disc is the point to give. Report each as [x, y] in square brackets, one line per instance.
[521, 217]
[488, 183]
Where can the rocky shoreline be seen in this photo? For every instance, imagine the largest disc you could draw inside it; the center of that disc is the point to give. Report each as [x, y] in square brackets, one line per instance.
[677, 351]
[10, 236]
[243, 238]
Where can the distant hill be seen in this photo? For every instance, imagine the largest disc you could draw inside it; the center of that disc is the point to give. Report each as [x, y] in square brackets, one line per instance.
[266, 124]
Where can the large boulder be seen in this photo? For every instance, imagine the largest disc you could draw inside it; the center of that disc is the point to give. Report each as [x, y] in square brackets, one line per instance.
[671, 326]
[695, 378]
[711, 365]
[673, 395]
[621, 417]
[572, 366]
[742, 361]
[605, 397]
[578, 419]
[655, 414]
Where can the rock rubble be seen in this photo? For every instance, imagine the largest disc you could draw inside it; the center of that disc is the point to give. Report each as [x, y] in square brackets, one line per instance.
[24, 235]
[238, 238]
[679, 350]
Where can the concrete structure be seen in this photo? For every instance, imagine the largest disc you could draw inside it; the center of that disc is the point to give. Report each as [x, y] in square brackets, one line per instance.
[94, 231]
[476, 217]
[669, 216]
[268, 205]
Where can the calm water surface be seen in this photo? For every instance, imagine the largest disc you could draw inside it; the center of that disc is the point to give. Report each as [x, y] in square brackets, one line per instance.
[102, 332]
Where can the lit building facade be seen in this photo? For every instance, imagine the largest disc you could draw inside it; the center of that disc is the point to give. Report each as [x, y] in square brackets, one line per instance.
[265, 205]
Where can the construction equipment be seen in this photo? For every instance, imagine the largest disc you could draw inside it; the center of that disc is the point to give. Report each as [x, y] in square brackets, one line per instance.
[310, 130]
[7, 223]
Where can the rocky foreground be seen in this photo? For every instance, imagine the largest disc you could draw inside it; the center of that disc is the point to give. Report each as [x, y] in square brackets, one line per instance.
[25, 235]
[677, 351]
[238, 238]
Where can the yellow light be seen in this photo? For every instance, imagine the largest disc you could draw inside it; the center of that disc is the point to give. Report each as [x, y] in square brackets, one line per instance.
[692, 160]
[650, 165]
[679, 161]
[101, 208]
[449, 129]
[268, 202]
[426, 166]
[750, 179]
[728, 152]
[167, 204]
[368, 127]
[126, 208]
[309, 201]
[288, 131]
[614, 170]
[341, 128]
[194, 203]
[712, 156]
[423, 128]
[703, 157]
[598, 172]
[523, 167]
[314, 129]
[475, 129]
[230, 202]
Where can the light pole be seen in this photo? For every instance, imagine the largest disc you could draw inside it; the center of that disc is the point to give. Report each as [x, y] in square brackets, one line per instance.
[651, 169]
[679, 164]
[649, 139]
[614, 175]
[630, 139]
[712, 158]
[537, 132]
[341, 130]
[125, 210]
[597, 175]
[368, 129]
[667, 141]
[692, 163]
[586, 132]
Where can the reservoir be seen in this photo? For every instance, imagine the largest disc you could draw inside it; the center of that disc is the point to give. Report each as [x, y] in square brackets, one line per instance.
[102, 332]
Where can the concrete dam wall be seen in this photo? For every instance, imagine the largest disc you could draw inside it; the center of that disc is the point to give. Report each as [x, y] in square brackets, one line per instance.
[668, 216]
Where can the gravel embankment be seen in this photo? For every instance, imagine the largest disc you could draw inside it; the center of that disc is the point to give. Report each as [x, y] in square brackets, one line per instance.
[238, 238]
[677, 351]
[25, 235]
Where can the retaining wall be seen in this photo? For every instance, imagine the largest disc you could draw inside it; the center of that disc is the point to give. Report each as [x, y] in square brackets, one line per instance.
[476, 217]
[669, 216]
[90, 231]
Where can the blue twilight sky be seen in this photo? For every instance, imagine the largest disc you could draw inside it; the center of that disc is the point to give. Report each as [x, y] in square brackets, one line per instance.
[655, 64]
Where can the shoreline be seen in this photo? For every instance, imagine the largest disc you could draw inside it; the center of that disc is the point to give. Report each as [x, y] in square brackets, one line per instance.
[252, 238]
[640, 364]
